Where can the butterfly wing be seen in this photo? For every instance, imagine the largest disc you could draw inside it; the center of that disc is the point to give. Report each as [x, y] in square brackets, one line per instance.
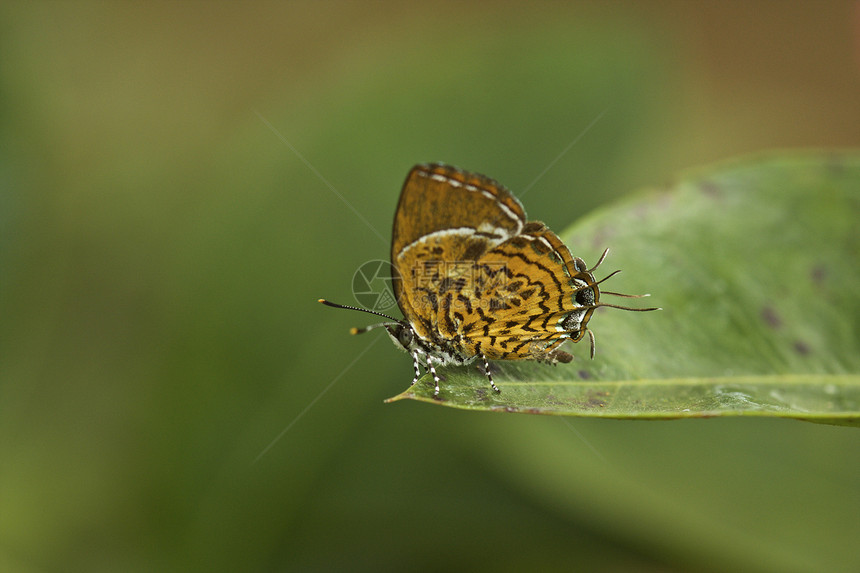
[472, 275]
[445, 217]
[541, 298]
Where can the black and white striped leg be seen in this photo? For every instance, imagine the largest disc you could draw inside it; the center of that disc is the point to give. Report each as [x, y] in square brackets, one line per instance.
[415, 365]
[489, 374]
[435, 376]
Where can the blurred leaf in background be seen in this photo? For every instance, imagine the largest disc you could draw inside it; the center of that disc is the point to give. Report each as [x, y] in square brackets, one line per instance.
[180, 182]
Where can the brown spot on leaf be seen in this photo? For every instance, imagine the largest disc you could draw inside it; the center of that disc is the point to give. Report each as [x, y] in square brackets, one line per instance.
[818, 274]
[710, 189]
[801, 347]
[770, 317]
[596, 399]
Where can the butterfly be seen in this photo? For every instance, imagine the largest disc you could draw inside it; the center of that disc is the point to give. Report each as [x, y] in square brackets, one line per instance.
[476, 280]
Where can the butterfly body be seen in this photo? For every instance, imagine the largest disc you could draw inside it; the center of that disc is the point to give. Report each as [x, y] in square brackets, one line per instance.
[476, 280]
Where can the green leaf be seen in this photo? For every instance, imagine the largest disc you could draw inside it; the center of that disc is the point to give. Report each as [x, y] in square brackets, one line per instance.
[755, 264]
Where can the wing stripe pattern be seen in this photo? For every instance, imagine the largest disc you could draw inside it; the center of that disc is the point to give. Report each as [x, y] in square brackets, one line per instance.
[472, 276]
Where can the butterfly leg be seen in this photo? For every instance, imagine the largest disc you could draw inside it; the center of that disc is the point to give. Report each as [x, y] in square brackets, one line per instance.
[415, 365]
[489, 374]
[435, 376]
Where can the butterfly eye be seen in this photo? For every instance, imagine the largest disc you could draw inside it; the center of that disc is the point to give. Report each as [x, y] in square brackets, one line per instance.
[585, 297]
[404, 336]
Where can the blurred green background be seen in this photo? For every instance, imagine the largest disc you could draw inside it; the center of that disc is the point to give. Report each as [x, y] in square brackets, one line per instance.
[179, 183]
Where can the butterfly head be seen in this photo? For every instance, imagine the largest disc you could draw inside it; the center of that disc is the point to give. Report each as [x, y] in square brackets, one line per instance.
[585, 297]
[402, 334]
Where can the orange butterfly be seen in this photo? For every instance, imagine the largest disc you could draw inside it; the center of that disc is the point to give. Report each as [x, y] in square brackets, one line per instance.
[475, 279]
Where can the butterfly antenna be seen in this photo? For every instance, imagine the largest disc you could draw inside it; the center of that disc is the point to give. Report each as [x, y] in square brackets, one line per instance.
[613, 293]
[599, 304]
[609, 276]
[624, 295]
[600, 260]
[366, 328]
[591, 337]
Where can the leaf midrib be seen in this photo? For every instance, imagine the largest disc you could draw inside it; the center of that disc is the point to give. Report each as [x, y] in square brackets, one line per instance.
[762, 380]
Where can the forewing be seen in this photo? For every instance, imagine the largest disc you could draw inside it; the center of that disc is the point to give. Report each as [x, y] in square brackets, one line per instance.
[446, 220]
